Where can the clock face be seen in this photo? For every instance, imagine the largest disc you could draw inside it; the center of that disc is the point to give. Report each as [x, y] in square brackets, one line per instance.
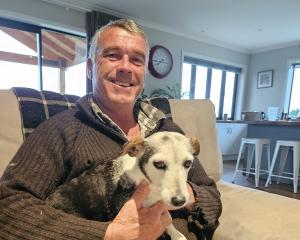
[160, 61]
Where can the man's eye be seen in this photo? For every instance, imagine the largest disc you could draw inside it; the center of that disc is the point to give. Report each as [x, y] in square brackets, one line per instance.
[187, 163]
[112, 56]
[139, 61]
[160, 165]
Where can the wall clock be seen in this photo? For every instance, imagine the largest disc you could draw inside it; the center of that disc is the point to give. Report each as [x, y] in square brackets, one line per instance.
[160, 61]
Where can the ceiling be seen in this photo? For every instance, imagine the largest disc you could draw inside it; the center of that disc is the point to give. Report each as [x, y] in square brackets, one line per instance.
[245, 25]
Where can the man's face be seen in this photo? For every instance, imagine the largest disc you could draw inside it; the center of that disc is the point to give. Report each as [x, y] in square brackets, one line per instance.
[119, 67]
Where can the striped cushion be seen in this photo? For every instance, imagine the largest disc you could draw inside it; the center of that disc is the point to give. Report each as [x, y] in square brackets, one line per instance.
[37, 106]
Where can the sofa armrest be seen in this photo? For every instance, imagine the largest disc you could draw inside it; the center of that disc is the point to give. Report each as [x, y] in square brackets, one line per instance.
[11, 136]
[250, 214]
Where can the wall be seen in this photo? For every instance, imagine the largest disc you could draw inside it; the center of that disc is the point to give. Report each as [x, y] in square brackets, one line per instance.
[279, 60]
[180, 46]
[38, 12]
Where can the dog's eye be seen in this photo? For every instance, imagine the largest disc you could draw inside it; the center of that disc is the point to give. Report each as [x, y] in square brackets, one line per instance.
[160, 165]
[187, 163]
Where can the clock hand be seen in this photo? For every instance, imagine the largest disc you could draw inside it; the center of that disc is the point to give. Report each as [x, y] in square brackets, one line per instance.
[159, 61]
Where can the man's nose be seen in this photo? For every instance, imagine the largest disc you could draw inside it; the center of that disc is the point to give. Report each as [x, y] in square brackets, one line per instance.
[124, 66]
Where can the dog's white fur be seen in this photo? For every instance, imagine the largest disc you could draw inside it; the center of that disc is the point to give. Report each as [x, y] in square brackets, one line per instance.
[166, 170]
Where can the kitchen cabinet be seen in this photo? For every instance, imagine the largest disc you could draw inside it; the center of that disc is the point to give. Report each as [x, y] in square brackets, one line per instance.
[229, 137]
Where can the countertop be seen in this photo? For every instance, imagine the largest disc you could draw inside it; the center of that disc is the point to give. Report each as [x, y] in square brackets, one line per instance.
[264, 122]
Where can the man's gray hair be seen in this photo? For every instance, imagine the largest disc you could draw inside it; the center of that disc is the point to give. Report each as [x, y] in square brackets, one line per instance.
[126, 24]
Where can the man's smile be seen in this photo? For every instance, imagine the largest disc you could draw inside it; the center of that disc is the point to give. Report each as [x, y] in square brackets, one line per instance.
[122, 84]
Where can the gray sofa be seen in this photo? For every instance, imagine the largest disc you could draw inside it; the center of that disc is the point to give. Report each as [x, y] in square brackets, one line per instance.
[248, 214]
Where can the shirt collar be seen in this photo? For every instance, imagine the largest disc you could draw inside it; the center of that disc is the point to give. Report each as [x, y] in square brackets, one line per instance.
[147, 116]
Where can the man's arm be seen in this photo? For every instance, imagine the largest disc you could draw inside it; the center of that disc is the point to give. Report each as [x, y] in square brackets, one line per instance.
[207, 206]
[35, 171]
[39, 167]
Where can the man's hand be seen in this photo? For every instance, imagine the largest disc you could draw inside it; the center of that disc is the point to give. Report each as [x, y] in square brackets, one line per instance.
[136, 222]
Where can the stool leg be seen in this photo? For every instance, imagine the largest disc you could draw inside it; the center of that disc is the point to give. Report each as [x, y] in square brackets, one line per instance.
[296, 160]
[238, 161]
[258, 155]
[269, 158]
[250, 156]
[272, 164]
[282, 161]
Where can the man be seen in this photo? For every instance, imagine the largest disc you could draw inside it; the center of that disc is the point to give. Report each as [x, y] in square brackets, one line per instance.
[64, 147]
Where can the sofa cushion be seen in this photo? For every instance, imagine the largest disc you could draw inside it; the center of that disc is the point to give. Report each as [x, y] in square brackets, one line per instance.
[197, 119]
[37, 106]
[250, 214]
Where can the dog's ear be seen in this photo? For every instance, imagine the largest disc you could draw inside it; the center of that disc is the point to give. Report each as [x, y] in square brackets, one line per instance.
[195, 145]
[134, 147]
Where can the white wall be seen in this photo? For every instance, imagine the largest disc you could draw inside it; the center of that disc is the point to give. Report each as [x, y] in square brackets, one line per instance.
[38, 12]
[278, 60]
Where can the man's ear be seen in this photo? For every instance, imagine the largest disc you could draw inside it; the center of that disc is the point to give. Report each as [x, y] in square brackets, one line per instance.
[134, 148]
[89, 65]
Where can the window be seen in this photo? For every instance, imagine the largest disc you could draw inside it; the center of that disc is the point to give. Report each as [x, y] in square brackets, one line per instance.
[19, 57]
[294, 106]
[41, 58]
[217, 82]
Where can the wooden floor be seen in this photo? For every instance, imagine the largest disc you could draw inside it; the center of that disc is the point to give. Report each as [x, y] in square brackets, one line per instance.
[281, 189]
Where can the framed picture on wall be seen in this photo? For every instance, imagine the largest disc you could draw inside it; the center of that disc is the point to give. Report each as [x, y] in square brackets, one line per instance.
[265, 79]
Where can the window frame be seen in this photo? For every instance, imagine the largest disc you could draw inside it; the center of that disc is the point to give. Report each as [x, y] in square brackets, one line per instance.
[38, 31]
[213, 65]
[293, 67]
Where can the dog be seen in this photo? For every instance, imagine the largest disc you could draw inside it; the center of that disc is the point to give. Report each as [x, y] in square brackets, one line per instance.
[162, 159]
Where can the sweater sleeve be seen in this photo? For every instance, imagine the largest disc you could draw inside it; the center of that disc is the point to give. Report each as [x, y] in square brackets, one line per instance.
[207, 208]
[37, 169]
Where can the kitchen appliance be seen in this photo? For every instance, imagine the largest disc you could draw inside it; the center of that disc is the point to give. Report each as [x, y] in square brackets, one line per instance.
[273, 113]
[253, 116]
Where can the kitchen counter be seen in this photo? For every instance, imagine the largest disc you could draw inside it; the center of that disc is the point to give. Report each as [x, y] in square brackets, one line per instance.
[264, 122]
[273, 130]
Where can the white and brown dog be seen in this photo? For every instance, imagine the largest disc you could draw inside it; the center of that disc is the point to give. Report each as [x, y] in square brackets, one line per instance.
[163, 160]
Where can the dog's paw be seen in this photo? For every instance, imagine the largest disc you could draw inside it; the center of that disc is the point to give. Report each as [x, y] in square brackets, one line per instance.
[174, 233]
[179, 237]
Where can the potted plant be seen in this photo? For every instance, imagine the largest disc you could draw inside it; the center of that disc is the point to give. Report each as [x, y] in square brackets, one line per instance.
[167, 92]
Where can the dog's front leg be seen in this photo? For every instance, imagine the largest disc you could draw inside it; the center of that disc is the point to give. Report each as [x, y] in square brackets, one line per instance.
[174, 233]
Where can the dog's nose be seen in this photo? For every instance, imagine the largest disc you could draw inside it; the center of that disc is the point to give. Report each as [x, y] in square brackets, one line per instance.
[178, 201]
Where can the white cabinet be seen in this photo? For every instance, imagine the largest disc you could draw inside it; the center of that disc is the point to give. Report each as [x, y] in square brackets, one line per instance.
[229, 137]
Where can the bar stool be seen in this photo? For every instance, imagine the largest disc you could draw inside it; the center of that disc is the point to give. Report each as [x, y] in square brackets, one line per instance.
[255, 145]
[285, 146]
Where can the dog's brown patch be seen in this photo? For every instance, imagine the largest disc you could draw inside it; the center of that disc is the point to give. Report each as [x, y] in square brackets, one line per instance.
[133, 147]
[165, 138]
[196, 146]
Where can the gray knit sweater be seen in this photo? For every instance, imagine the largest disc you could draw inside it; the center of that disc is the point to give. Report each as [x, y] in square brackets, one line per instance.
[60, 150]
